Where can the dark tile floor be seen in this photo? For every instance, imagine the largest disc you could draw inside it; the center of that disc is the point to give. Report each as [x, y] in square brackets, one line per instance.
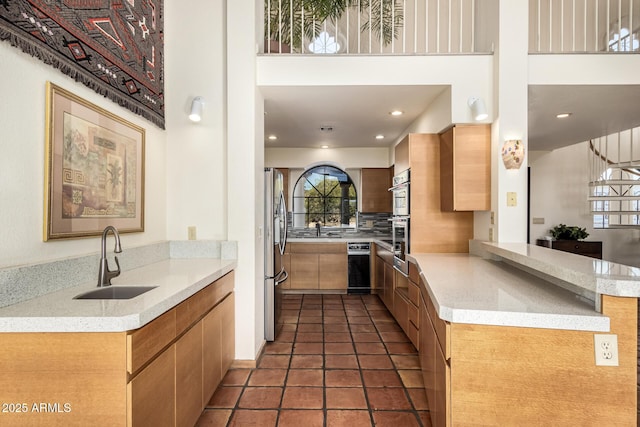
[340, 360]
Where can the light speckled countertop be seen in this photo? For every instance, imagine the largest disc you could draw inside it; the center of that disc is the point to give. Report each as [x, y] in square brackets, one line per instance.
[469, 289]
[176, 280]
[594, 275]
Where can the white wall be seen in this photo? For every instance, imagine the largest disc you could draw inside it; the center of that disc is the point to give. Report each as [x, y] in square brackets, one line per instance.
[559, 191]
[196, 152]
[22, 142]
[377, 157]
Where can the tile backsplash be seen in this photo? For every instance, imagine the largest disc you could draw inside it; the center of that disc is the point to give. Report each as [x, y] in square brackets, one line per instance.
[369, 225]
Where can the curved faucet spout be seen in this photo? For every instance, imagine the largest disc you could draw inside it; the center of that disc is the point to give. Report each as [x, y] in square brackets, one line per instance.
[104, 274]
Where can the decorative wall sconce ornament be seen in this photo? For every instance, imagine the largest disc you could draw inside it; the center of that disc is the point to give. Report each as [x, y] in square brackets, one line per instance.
[513, 153]
[196, 109]
[478, 108]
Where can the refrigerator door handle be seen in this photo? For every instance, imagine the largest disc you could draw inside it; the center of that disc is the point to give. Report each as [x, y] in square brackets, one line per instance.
[280, 280]
[283, 212]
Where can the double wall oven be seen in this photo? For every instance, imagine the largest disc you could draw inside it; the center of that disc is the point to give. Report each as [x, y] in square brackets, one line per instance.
[400, 221]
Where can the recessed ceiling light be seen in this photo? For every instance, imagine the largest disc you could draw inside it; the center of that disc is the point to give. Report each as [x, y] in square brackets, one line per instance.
[272, 137]
[396, 113]
[563, 115]
[324, 146]
[379, 136]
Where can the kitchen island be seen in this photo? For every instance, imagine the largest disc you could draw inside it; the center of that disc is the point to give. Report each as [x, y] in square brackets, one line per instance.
[507, 337]
[155, 359]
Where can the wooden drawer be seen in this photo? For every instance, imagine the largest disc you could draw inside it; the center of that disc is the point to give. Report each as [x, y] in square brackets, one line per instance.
[400, 309]
[413, 334]
[414, 274]
[441, 327]
[191, 310]
[414, 294]
[144, 343]
[318, 248]
[414, 315]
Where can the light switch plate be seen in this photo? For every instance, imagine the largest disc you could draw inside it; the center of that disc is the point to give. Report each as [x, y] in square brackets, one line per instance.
[512, 198]
[191, 231]
[537, 220]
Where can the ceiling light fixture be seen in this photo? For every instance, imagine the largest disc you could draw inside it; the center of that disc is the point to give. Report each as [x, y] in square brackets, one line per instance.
[324, 146]
[379, 136]
[272, 137]
[478, 108]
[196, 109]
[563, 115]
[396, 113]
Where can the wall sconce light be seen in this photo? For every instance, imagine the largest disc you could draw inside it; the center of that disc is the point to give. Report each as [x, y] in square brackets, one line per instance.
[196, 109]
[478, 108]
[513, 153]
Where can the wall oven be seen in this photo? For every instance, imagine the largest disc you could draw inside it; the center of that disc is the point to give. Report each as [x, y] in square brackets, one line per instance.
[400, 229]
[400, 192]
[400, 221]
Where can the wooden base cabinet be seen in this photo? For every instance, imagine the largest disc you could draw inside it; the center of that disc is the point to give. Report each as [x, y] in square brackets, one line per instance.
[162, 374]
[315, 266]
[513, 376]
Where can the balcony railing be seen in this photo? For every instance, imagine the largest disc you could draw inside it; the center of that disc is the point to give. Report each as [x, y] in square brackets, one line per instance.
[584, 26]
[371, 27]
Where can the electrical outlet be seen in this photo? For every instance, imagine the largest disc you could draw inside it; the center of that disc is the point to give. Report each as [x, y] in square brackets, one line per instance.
[537, 220]
[606, 348]
[191, 231]
[491, 234]
[493, 218]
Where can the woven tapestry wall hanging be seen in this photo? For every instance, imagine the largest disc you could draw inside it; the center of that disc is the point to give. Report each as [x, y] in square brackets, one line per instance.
[114, 47]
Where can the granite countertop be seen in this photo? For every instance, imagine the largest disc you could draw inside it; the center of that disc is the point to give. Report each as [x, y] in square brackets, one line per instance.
[590, 274]
[176, 280]
[469, 289]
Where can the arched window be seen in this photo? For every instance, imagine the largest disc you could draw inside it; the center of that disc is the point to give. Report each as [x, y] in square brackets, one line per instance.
[324, 195]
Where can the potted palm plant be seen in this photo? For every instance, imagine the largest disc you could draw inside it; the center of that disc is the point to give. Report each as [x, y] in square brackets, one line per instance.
[288, 23]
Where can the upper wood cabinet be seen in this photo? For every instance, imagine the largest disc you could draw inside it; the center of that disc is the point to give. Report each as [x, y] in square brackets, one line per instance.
[432, 229]
[375, 195]
[465, 168]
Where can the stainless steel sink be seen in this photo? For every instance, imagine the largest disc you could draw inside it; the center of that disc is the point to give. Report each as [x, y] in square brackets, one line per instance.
[115, 292]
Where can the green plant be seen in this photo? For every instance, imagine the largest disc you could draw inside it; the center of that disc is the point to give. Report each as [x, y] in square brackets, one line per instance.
[564, 232]
[291, 21]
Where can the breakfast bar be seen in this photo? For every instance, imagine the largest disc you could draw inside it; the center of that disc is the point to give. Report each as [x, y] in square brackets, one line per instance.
[507, 336]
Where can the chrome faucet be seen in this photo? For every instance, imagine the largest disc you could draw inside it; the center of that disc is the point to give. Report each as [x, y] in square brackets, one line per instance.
[318, 229]
[105, 275]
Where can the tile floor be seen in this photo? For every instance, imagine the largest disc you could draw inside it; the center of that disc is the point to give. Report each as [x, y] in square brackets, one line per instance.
[340, 360]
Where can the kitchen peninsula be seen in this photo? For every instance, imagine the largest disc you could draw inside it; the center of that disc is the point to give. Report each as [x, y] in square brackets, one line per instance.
[507, 337]
[152, 360]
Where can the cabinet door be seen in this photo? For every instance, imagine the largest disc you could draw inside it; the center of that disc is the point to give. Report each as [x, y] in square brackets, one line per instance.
[304, 271]
[375, 195]
[189, 377]
[388, 286]
[332, 271]
[151, 394]
[379, 275]
[440, 413]
[211, 353]
[227, 332]
[465, 168]
[428, 343]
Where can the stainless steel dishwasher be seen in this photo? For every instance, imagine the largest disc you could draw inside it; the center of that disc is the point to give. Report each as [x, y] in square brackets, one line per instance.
[359, 271]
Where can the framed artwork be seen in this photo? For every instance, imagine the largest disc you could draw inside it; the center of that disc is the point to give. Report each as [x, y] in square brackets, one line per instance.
[94, 169]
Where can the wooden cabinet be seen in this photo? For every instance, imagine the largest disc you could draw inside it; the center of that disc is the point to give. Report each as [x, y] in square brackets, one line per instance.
[465, 168]
[318, 266]
[188, 368]
[406, 304]
[432, 229]
[385, 276]
[590, 249]
[375, 195]
[436, 371]
[161, 374]
[150, 389]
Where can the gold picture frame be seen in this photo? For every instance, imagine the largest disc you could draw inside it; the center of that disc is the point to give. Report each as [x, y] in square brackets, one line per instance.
[94, 169]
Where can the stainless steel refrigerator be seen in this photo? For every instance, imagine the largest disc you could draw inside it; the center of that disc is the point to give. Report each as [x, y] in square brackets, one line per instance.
[275, 240]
